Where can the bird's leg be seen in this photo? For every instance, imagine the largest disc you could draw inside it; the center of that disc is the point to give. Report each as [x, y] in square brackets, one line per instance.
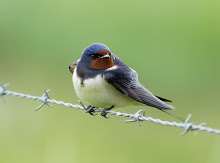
[90, 110]
[104, 113]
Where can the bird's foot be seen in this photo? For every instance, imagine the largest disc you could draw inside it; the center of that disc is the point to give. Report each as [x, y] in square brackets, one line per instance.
[104, 113]
[90, 110]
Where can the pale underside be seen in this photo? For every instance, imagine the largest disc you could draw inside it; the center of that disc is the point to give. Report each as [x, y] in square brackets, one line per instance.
[99, 93]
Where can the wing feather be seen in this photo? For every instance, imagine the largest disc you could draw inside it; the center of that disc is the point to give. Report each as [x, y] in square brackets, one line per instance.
[125, 80]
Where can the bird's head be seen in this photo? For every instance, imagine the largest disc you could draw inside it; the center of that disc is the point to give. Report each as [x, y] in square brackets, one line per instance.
[97, 56]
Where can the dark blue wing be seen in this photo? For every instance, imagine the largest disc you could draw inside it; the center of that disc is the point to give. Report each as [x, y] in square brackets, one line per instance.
[125, 80]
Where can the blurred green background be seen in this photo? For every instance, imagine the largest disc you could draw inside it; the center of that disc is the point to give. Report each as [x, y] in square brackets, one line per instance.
[173, 45]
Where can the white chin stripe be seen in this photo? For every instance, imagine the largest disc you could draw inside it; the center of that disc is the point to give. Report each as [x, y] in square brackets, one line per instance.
[112, 68]
[105, 56]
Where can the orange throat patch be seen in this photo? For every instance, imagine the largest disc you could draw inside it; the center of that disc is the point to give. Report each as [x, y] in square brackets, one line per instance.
[102, 63]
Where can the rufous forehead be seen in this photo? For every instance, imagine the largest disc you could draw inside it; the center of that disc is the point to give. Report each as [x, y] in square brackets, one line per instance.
[103, 52]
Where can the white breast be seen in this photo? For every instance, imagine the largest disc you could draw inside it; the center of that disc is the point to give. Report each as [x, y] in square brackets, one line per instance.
[97, 92]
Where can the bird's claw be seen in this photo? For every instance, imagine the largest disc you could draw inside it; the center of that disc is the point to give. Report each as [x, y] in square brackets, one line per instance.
[104, 113]
[90, 110]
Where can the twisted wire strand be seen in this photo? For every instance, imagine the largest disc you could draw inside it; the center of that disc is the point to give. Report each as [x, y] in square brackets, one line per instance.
[137, 117]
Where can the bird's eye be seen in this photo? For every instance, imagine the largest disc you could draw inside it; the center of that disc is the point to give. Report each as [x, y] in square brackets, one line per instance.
[93, 56]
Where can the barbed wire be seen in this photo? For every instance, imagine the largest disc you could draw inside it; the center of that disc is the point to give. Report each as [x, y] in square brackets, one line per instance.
[137, 117]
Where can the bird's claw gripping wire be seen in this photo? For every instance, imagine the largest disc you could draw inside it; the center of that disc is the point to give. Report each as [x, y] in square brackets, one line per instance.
[104, 113]
[137, 117]
[2, 90]
[44, 99]
[89, 109]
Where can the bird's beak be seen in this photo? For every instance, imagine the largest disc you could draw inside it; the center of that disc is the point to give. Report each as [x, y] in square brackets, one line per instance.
[105, 56]
[73, 66]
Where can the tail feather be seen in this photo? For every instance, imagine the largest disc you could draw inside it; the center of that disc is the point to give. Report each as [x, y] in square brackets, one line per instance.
[163, 99]
[174, 115]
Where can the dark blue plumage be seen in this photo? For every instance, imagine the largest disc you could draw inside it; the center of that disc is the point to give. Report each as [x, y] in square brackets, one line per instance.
[97, 47]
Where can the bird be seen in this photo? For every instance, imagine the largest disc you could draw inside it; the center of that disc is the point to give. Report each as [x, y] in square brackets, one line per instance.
[102, 80]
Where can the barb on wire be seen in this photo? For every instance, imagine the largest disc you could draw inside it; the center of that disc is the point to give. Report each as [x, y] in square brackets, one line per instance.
[188, 125]
[44, 99]
[137, 117]
[2, 90]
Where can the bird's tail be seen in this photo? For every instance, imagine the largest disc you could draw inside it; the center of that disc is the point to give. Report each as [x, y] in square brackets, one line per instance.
[173, 115]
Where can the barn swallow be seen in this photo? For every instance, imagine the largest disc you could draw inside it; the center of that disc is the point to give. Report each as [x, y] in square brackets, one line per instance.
[102, 80]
